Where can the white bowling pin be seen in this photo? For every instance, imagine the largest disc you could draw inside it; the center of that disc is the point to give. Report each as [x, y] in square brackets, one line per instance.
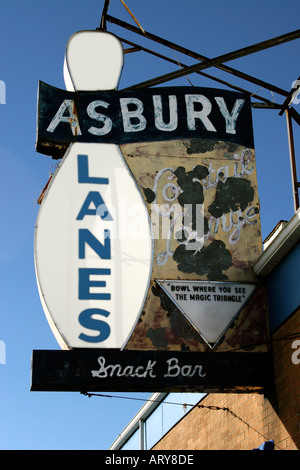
[93, 244]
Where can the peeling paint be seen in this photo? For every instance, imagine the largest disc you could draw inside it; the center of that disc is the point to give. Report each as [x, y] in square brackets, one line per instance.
[231, 195]
[200, 146]
[211, 260]
[158, 337]
[221, 177]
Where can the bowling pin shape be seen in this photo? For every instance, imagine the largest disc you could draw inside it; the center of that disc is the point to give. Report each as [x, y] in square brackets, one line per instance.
[93, 243]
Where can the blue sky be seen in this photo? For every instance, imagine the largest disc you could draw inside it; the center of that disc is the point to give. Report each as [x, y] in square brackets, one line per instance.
[33, 37]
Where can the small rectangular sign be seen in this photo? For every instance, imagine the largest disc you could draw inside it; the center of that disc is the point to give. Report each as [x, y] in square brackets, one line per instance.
[150, 371]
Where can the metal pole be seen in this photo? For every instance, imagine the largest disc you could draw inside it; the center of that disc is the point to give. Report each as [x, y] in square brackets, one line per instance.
[137, 48]
[296, 185]
[142, 434]
[220, 59]
[103, 17]
[195, 55]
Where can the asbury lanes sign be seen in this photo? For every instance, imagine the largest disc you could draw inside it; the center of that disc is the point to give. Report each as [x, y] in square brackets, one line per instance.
[147, 233]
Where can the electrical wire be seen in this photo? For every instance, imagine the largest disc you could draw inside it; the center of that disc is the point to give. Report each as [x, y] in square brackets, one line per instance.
[184, 405]
[288, 337]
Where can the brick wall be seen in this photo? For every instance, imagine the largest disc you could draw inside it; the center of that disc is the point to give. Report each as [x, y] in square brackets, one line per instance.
[252, 418]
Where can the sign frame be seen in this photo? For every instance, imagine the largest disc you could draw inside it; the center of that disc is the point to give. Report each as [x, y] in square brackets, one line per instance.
[147, 125]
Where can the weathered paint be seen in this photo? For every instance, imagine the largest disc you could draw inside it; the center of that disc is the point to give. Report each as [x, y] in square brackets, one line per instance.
[190, 151]
[222, 183]
[219, 177]
[157, 114]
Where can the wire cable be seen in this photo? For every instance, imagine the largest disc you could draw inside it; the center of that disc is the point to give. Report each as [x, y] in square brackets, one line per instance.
[184, 405]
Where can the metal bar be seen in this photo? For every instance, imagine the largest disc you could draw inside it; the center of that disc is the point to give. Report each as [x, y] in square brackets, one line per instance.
[132, 49]
[137, 47]
[292, 160]
[197, 56]
[219, 60]
[269, 105]
[296, 116]
[142, 434]
[104, 15]
[132, 15]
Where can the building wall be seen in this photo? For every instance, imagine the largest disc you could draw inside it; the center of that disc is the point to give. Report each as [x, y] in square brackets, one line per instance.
[283, 288]
[245, 421]
[235, 421]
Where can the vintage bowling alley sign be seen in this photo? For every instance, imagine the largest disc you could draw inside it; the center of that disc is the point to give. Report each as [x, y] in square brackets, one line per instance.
[147, 233]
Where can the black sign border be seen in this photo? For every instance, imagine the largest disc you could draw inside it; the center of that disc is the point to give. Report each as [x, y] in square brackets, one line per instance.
[70, 370]
[55, 144]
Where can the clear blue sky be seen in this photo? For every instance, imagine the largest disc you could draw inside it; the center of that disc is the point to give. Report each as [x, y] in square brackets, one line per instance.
[33, 37]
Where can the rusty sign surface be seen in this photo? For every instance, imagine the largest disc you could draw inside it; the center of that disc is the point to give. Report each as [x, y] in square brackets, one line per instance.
[216, 181]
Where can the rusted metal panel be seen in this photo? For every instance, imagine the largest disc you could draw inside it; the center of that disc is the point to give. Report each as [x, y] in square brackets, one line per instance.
[218, 178]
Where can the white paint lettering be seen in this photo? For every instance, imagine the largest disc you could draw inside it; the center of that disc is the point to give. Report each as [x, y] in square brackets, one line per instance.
[133, 120]
[158, 113]
[186, 371]
[166, 117]
[192, 114]
[107, 123]
[70, 118]
[111, 370]
[230, 119]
